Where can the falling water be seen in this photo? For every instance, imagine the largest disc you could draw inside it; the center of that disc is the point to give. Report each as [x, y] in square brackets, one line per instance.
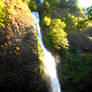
[49, 60]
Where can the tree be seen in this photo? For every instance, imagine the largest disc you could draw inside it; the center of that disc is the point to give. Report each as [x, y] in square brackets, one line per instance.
[33, 5]
[71, 6]
[89, 11]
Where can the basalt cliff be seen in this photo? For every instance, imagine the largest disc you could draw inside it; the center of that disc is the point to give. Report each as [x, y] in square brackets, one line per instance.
[18, 48]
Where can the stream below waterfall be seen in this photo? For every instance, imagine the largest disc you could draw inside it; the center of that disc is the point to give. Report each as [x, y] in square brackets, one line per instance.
[48, 59]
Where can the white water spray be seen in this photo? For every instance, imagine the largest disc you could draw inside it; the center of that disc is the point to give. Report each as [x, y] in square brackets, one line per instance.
[49, 60]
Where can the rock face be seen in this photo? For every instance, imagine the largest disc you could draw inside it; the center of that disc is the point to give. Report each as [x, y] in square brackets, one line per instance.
[18, 50]
[82, 40]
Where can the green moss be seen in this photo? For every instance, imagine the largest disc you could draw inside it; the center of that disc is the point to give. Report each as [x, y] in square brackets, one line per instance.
[3, 14]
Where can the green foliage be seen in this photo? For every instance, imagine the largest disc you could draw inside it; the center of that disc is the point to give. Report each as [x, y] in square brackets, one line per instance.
[54, 3]
[82, 24]
[71, 6]
[39, 51]
[75, 68]
[63, 4]
[47, 21]
[3, 14]
[71, 21]
[56, 34]
[47, 4]
[75, 23]
[89, 13]
[3, 22]
[45, 8]
[33, 5]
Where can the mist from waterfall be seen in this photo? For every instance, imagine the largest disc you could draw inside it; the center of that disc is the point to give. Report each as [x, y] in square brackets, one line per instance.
[48, 59]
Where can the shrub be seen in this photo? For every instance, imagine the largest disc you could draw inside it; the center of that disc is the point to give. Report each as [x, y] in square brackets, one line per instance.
[47, 21]
[56, 33]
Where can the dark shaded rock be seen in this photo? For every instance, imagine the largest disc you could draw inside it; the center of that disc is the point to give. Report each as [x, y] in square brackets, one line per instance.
[81, 40]
[18, 50]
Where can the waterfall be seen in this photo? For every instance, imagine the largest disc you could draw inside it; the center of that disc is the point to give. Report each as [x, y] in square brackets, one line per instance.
[48, 59]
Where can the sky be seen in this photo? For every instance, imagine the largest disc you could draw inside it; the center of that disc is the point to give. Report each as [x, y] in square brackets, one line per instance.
[84, 3]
